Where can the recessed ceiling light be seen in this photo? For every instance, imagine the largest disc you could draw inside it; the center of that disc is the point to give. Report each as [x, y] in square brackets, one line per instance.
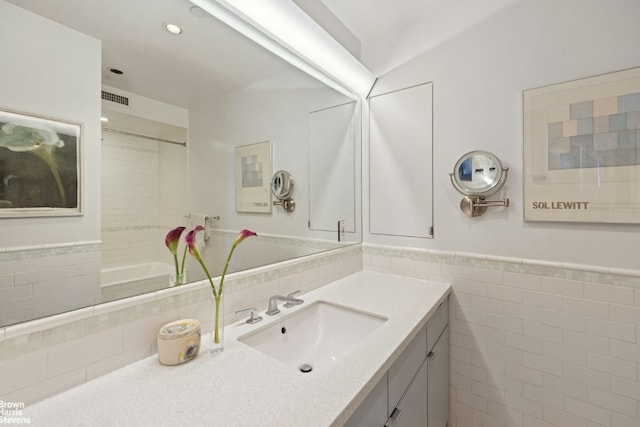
[173, 28]
[104, 119]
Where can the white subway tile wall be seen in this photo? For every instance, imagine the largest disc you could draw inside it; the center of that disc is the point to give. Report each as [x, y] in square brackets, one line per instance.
[143, 197]
[44, 357]
[534, 344]
[531, 344]
[40, 281]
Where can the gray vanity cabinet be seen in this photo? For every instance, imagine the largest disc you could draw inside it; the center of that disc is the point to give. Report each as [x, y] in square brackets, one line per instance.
[414, 392]
[438, 388]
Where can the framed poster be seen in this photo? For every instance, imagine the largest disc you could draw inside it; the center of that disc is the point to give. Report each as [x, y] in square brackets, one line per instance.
[582, 150]
[39, 166]
[253, 177]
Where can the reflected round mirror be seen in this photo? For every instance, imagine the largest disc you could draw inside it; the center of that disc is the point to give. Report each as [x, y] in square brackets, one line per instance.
[478, 173]
[282, 185]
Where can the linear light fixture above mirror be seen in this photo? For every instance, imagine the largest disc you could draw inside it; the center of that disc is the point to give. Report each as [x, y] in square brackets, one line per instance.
[281, 27]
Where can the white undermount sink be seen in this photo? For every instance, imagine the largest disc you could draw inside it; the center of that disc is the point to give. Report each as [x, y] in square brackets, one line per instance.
[313, 338]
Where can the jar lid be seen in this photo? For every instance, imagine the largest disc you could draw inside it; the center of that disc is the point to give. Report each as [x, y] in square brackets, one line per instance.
[179, 329]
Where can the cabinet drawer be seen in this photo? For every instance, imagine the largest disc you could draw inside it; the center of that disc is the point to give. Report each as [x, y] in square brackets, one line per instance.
[436, 323]
[405, 367]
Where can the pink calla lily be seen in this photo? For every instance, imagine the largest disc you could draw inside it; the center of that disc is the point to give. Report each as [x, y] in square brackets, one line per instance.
[239, 239]
[173, 238]
[190, 242]
[243, 235]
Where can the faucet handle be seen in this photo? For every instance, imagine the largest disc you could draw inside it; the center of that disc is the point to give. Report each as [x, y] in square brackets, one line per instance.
[253, 319]
[290, 295]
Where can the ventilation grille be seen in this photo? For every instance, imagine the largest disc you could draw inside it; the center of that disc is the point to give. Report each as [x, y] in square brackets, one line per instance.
[118, 99]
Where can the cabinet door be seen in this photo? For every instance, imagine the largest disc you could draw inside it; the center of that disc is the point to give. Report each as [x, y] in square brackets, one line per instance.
[412, 408]
[373, 410]
[438, 372]
[400, 162]
[406, 366]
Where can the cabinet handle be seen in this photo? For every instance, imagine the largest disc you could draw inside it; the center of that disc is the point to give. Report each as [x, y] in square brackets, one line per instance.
[431, 356]
[394, 414]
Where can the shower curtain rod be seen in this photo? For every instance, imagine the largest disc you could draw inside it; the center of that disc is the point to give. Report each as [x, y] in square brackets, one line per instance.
[139, 135]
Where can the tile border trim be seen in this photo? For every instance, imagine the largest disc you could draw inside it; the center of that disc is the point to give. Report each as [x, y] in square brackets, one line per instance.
[559, 270]
[34, 251]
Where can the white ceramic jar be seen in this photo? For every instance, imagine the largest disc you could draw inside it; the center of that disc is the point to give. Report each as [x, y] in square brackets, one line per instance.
[179, 341]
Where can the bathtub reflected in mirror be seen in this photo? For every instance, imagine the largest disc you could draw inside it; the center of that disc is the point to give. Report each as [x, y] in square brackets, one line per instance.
[121, 282]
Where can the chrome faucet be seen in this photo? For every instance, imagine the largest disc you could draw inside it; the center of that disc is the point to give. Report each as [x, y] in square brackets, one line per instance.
[289, 299]
[255, 318]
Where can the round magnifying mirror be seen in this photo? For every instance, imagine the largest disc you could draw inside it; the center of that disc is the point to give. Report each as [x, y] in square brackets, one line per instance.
[478, 173]
[282, 185]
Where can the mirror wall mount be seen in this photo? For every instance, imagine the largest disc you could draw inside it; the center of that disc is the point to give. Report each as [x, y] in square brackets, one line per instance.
[282, 188]
[478, 175]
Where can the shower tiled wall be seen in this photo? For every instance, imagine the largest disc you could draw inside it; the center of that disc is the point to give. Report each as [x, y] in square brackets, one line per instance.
[143, 196]
[534, 344]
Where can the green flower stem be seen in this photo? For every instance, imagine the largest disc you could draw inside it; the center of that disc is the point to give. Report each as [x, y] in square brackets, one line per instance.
[175, 261]
[216, 333]
[226, 265]
[217, 295]
[184, 256]
[213, 287]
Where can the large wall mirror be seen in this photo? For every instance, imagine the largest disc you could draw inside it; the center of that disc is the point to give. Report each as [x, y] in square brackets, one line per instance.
[178, 106]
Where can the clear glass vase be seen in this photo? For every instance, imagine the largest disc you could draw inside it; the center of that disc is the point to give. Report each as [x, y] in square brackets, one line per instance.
[217, 325]
[177, 279]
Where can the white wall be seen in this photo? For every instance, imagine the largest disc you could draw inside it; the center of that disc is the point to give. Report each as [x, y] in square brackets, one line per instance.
[49, 265]
[276, 110]
[533, 343]
[478, 77]
[53, 71]
[147, 108]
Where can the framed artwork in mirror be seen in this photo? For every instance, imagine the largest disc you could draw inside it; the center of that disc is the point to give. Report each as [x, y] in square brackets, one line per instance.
[39, 166]
[253, 177]
[582, 150]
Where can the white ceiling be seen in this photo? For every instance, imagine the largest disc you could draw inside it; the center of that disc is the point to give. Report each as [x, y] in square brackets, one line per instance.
[208, 59]
[368, 19]
[392, 32]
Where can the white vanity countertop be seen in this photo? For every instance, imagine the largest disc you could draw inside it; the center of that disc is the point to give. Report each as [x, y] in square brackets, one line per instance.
[243, 387]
